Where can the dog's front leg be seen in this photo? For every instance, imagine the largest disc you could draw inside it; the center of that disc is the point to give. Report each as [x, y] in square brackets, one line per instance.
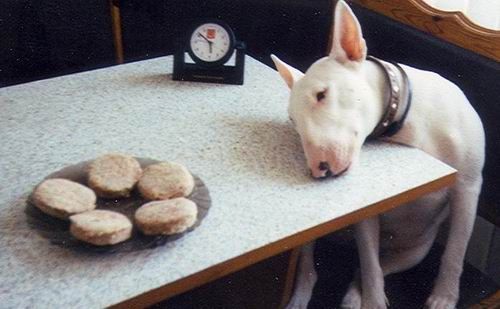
[463, 204]
[306, 278]
[372, 294]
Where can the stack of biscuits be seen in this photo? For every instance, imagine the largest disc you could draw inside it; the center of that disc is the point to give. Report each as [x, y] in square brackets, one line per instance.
[113, 176]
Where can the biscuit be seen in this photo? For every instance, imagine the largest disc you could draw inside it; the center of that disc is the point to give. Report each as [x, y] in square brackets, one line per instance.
[100, 227]
[166, 217]
[62, 198]
[165, 180]
[114, 175]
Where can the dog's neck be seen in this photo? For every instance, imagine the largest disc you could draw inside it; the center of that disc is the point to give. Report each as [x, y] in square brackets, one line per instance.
[395, 98]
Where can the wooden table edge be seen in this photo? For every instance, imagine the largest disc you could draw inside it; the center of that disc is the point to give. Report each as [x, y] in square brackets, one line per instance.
[237, 263]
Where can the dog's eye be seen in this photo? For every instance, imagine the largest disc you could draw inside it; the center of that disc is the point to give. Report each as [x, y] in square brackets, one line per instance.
[291, 119]
[320, 95]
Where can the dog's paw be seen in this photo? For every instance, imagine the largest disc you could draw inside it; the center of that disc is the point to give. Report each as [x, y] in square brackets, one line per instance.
[375, 302]
[298, 302]
[352, 299]
[441, 302]
[444, 294]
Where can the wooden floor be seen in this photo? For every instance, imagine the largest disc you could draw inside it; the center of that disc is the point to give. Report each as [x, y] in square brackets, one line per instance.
[261, 285]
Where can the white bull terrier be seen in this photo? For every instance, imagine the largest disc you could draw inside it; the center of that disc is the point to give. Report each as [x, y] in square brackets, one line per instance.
[344, 98]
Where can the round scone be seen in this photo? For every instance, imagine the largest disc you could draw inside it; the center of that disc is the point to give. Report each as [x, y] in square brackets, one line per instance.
[100, 227]
[62, 198]
[166, 217]
[114, 175]
[165, 180]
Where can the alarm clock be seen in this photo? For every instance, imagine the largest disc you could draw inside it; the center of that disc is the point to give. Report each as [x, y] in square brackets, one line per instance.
[210, 44]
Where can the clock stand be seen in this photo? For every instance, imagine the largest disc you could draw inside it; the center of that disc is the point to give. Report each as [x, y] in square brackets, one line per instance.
[224, 74]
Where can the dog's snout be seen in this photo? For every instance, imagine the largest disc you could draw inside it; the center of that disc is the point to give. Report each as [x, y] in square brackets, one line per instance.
[324, 166]
[328, 159]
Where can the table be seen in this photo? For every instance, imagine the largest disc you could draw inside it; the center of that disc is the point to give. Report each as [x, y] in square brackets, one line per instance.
[236, 138]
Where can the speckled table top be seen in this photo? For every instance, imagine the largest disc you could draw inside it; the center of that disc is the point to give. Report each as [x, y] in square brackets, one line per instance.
[236, 138]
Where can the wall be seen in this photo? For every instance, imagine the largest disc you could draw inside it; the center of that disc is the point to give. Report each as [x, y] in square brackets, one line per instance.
[297, 30]
[41, 39]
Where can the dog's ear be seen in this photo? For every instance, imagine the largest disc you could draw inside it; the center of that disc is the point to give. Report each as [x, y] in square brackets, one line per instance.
[348, 43]
[287, 72]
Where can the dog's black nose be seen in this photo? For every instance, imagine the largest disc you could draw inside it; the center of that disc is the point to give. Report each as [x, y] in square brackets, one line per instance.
[324, 166]
[328, 174]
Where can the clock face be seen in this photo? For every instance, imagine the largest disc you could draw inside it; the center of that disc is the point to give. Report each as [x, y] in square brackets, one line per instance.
[211, 42]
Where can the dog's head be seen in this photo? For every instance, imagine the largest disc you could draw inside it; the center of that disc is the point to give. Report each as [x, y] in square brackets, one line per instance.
[331, 104]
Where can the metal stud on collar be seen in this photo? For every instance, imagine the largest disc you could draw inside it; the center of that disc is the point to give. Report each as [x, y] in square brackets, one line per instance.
[387, 125]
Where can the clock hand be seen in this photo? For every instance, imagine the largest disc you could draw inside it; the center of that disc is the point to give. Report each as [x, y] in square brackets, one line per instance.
[209, 42]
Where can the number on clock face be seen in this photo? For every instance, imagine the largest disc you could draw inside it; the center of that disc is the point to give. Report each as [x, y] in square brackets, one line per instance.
[210, 42]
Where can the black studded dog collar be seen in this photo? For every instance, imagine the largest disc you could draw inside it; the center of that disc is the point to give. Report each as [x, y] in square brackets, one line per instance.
[399, 99]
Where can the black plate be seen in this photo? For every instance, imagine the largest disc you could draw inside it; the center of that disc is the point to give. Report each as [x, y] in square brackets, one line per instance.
[57, 231]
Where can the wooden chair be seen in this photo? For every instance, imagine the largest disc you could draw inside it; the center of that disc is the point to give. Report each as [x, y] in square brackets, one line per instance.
[453, 27]
[114, 6]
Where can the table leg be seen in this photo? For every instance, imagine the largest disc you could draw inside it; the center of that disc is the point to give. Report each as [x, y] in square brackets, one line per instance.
[290, 276]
